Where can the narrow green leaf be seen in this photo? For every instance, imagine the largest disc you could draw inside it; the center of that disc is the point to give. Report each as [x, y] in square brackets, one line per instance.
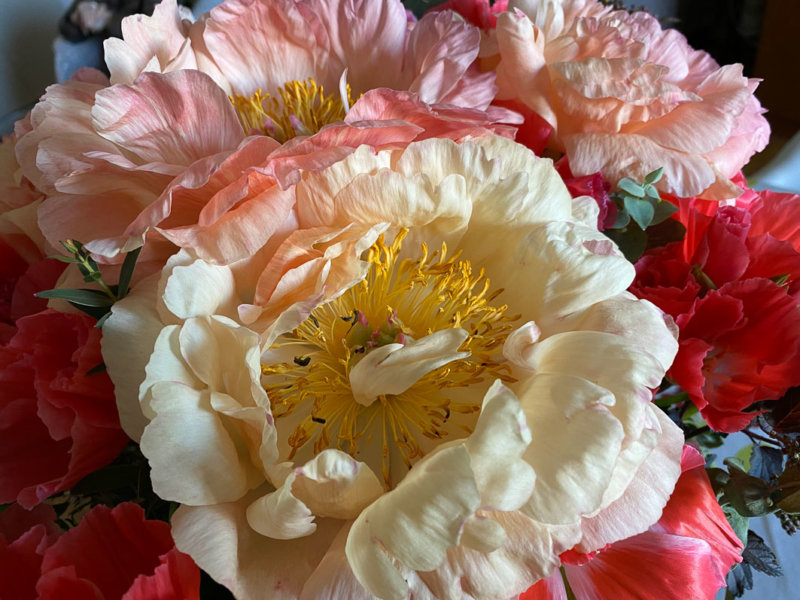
[102, 320]
[126, 273]
[641, 211]
[94, 298]
[630, 186]
[654, 176]
[66, 259]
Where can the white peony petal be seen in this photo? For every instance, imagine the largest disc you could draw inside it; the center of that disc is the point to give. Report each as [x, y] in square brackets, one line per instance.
[200, 289]
[192, 456]
[414, 524]
[393, 368]
[504, 480]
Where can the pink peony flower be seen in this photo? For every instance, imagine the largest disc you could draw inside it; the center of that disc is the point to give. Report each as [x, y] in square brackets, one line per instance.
[187, 94]
[625, 97]
[686, 554]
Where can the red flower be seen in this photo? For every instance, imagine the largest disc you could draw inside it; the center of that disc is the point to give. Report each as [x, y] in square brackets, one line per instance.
[24, 538]
[58, 422]
[732, 286]
[686, 554]
[113, 554]
[481, 13]
[117, 554]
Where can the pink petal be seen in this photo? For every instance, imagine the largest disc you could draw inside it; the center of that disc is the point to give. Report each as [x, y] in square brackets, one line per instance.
[175, 118]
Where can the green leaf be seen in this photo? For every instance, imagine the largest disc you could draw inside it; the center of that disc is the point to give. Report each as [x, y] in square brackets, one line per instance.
[102, 319]
[654, 176]
[642, 211]
[629, 185]
[94, 298]
[126, 273]
[66, 259]
[623, 218]
[738, 523]
[631, 241]
[650, 191]
[750, 496]
[662, 211]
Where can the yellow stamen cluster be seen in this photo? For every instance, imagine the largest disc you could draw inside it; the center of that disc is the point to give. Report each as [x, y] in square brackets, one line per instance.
[302, 109]
[396, 301]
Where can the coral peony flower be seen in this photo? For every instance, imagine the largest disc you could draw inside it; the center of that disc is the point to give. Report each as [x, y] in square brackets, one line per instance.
[625, 97]
[58, 421]
[19, 200]
[25, 535]
[732, 286]
[686, 554]
[185, 94]
[430, 380]
[111, 554]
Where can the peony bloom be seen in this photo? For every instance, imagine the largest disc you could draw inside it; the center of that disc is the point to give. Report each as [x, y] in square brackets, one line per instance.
[111, 554]
[732, 286]
[689, 551]
[185, 94]
[430, 380]
[19, 200]
[58, 421]
[25, 535]
[625, 97]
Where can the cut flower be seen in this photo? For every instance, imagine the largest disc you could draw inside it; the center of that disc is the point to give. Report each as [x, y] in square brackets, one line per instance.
[430, 379]
[625, 97]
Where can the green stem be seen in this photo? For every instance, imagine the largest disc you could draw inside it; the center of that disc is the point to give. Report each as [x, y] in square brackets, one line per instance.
[570, 593]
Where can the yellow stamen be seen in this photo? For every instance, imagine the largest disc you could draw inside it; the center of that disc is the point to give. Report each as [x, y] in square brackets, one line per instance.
[302, 109]
[395, 301]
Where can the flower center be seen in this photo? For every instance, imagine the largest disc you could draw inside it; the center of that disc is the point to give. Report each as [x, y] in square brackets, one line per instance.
[397, 307]
[302, 109]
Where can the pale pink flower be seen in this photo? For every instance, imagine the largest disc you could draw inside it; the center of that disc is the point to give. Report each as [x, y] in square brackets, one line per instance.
[183, 97]
[625, 97]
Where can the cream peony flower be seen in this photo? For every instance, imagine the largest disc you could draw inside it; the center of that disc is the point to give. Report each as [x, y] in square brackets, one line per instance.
[433, 384]
[625, 97]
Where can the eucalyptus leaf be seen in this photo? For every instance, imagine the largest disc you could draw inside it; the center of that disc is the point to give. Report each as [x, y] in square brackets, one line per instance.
[629, 185]
[662, 211]
[623, 218]
[94, 298]
[654, 176]
[631, 240]
[641, 211]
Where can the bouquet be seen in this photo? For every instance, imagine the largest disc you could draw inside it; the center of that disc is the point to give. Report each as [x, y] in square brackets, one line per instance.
[322, 299]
